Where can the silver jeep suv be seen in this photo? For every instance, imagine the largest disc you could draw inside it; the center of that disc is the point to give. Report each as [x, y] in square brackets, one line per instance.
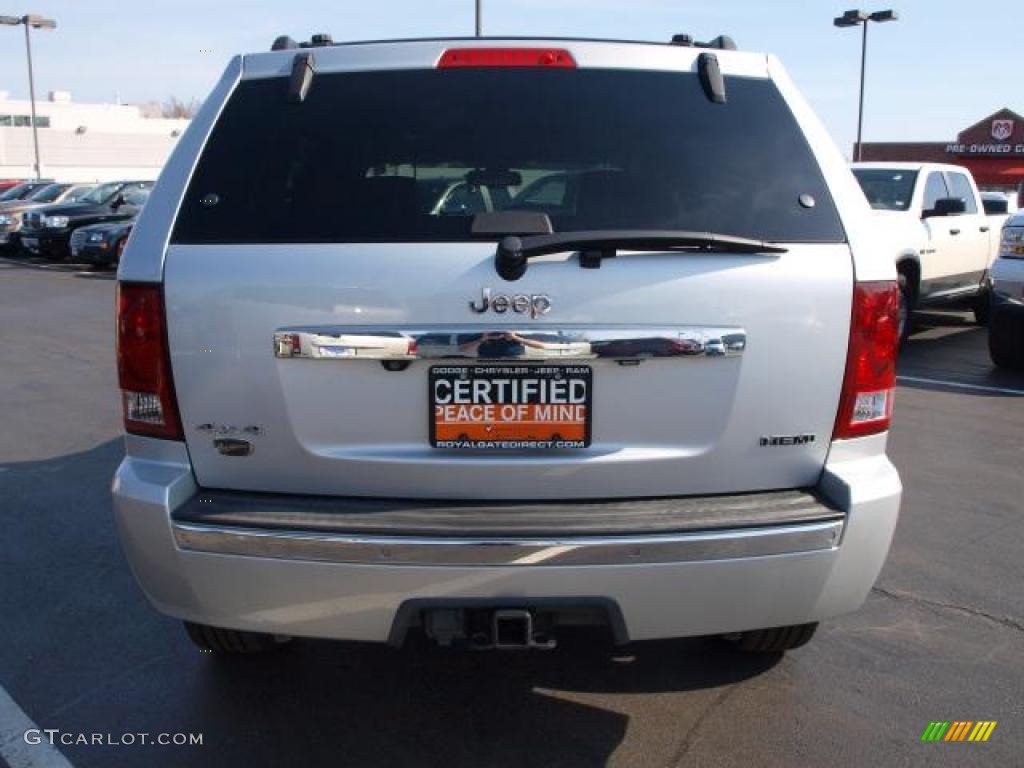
[640, 375]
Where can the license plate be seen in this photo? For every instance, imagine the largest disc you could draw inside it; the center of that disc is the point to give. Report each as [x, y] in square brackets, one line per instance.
[75, 250]
[515, 407]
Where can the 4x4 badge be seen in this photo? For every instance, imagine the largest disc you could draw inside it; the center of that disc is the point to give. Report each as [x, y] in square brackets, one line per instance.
[532, 304]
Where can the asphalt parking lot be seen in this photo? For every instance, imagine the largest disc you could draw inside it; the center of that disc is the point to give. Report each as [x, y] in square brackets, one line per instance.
[940, 638]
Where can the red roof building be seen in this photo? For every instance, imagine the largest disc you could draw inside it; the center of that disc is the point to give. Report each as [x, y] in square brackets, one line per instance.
[993, 150]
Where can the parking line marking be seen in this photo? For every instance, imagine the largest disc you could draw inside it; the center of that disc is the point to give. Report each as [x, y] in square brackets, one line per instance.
[961, 385]
[57, 266]
[13, 749]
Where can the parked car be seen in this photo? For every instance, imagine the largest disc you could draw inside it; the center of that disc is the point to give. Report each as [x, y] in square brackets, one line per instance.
[940, 239]
[12, 211]
[46, 231]
[100, 245]
[999, 203]
[6, 184]
[732, 481]
[1006, 325]
[22, 190]
[56, 192]
[999, 207]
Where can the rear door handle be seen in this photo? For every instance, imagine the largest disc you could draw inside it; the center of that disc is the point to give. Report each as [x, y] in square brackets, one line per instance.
[954, 231]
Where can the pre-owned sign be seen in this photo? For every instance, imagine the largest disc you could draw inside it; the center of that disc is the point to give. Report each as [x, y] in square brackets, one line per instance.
[985, 149]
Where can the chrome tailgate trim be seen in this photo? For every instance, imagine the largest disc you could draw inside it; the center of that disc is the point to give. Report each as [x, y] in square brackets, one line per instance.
[536, 343]
[454, 551]
[536, 520]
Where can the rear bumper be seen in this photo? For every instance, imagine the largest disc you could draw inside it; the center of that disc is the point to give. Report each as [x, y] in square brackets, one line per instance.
[345, 585]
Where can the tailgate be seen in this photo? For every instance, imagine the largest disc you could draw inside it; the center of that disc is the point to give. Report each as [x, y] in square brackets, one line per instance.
[661, 425]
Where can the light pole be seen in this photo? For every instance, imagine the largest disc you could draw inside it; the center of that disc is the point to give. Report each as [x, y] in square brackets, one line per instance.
[479, 21]
[862, 18]
[31, 21]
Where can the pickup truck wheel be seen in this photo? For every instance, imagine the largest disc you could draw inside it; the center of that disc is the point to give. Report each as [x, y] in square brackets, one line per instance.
[232, 641]
[906, 311]
[982, 308]
[774, 640]
[1006, 340]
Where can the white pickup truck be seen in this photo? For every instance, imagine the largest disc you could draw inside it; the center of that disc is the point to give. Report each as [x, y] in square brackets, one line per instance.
[944, 244]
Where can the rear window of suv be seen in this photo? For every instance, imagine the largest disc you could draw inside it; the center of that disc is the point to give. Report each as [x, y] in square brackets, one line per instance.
[413, 155]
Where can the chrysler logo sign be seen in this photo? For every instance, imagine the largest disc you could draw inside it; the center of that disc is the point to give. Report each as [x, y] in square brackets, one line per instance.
[1002, 129]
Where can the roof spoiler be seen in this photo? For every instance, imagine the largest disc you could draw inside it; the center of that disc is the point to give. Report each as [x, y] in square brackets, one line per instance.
[711, 79]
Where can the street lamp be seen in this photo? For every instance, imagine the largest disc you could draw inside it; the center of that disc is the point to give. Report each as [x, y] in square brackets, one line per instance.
[31, 21]
[479, 19]
[861, 18]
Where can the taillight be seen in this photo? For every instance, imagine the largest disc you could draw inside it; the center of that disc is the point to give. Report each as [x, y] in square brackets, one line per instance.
[865, 405]
[506, 57]
[143, 363]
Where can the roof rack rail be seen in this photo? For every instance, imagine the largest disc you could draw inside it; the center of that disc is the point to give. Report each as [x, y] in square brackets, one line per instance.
[286, 43]
[722, 42]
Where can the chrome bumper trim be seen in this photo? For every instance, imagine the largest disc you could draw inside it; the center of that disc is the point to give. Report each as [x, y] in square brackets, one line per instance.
[508, 343]
[583, 550]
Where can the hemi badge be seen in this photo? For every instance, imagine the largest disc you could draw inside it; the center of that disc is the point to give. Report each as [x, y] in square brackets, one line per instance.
[774, 440]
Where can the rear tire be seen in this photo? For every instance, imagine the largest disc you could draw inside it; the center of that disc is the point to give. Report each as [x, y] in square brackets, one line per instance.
[232, 641]
[982, 308]
[775, 639]
[1006, 340]
[906, 311]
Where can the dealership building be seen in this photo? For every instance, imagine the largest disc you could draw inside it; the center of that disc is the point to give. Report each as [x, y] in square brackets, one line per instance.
[993, 150]
[83, 142]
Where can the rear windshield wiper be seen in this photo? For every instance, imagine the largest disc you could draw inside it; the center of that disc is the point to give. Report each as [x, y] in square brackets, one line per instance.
[514, 252]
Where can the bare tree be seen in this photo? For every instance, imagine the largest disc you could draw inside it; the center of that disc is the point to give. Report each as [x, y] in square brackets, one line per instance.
[175, 107]
[151, 109]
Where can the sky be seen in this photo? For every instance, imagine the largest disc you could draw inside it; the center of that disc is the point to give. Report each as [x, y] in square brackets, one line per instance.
[942, 67]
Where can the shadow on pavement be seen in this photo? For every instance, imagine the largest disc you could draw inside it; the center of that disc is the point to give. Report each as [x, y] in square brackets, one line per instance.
[950, 347]
[84, 652]
[424, 705]
[941, 331]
